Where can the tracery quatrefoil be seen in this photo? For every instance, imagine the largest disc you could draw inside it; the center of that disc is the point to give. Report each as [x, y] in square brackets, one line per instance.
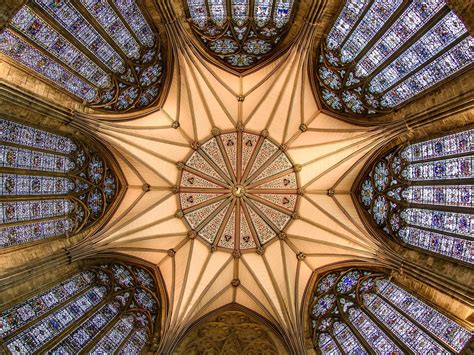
[238, 190]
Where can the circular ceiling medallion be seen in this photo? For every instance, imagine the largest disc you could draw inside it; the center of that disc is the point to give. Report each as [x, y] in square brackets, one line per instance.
[238, 191]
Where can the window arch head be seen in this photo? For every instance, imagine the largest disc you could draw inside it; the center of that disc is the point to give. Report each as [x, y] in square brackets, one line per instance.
[111, 308]
[240, 33]
[380, 54]
[51, 185]
[361, 311]
[421, 194]
[104, 53]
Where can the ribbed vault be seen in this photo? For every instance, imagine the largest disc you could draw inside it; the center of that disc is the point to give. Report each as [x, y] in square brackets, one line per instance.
[327, 152]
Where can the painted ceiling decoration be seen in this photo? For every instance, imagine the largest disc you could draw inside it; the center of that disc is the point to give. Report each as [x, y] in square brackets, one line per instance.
[105, 53]
[380, 54]
[361, 311]
[238, 191]
[241, 33]
[422, 195]
[111, 308]
[50, 185]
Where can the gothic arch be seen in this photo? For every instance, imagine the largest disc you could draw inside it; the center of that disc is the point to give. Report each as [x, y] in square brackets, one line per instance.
[362, 72]
[108, 305]
[53, 184]
[419, 194]
[109, 56]
[354, 308]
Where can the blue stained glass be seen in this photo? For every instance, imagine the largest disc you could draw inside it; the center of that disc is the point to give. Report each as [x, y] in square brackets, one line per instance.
[412, 336]
[434, 41]
[417, 14]
[262, 11]
[327, 345]
[458, 223]
[381, 176]
[69, 17]
[455, 168]
[452, 61]
[458, 143]
[367, 193]
[240, 11]
[327, 282]
[380, 210]
[135, 19]
[218, 11]
[437, 324]
[345, 21]
[115, 336]
[136, 343]
[113, 25]
[33, 338]
[12, 211]
[11, 184]
[282, 12]
[456, 248]
[122, 276]
[17, 49]
[444, 195]
[19, 158]
[17, 133]
[31, 25]
[144, 278]
[20, 315]
[348, 282]
[347, 340]
[198, 11]
[373, 20]
[324, 305]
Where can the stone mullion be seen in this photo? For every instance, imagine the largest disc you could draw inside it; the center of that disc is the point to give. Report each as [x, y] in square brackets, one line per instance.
[418, 325]
[65, 33]
[407, 44]
[442, 208]
[28, 221]
[421, 67]
[444, 157]
[385, 329]
[30, 171]
[107, 38]
[127, 338]
[46, 314]
[354, 27]
[385, 27]
[89, 346]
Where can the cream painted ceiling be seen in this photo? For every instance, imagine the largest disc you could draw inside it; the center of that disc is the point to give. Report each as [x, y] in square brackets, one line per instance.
[277, 98]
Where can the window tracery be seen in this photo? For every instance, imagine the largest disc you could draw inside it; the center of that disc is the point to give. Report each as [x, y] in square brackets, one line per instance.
[105, 53]
[50, 185]
[379, 54]
[363, 311]
[237, 33]
[422, 194]
[111, 308]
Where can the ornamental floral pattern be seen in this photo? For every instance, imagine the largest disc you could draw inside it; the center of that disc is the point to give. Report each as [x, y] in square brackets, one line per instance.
[105, 53]
[238, 191]
[91, 311]
[380, 54]
[50, 185]
[422, 195]
[363, 311]
[239, 34]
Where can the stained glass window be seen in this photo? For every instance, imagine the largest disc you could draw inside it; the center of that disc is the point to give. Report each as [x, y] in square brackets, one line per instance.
[50, 185]
[379, 54]
[104, 53]
[423, 195]
[369, 313]
[241, 35]
[91, 311]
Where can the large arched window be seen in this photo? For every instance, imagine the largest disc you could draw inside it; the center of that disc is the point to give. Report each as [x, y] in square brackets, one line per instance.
[240, 32]
[50, 185]
[379, 54]
[105, 53]
[422, 194]
[106, 309]
[360, 311]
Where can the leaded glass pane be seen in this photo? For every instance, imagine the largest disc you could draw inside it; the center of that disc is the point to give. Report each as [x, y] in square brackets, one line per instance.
[16, 48]
[198, 12]
[12, 157]
[447, 195]
[457, 223]
[327, 345]
[379, 54]
[347, 340]
[25, 185]
[134, 18]
[30, 24]
[115, 336]
[218, 11]
[135, 343]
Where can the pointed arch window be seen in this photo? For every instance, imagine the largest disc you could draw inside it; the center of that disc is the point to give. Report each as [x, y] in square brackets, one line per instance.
[239, 34]
[105, 53]
[50, 185]
[380, 54]
[422, 195]
[111, 308]
[363, 311]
